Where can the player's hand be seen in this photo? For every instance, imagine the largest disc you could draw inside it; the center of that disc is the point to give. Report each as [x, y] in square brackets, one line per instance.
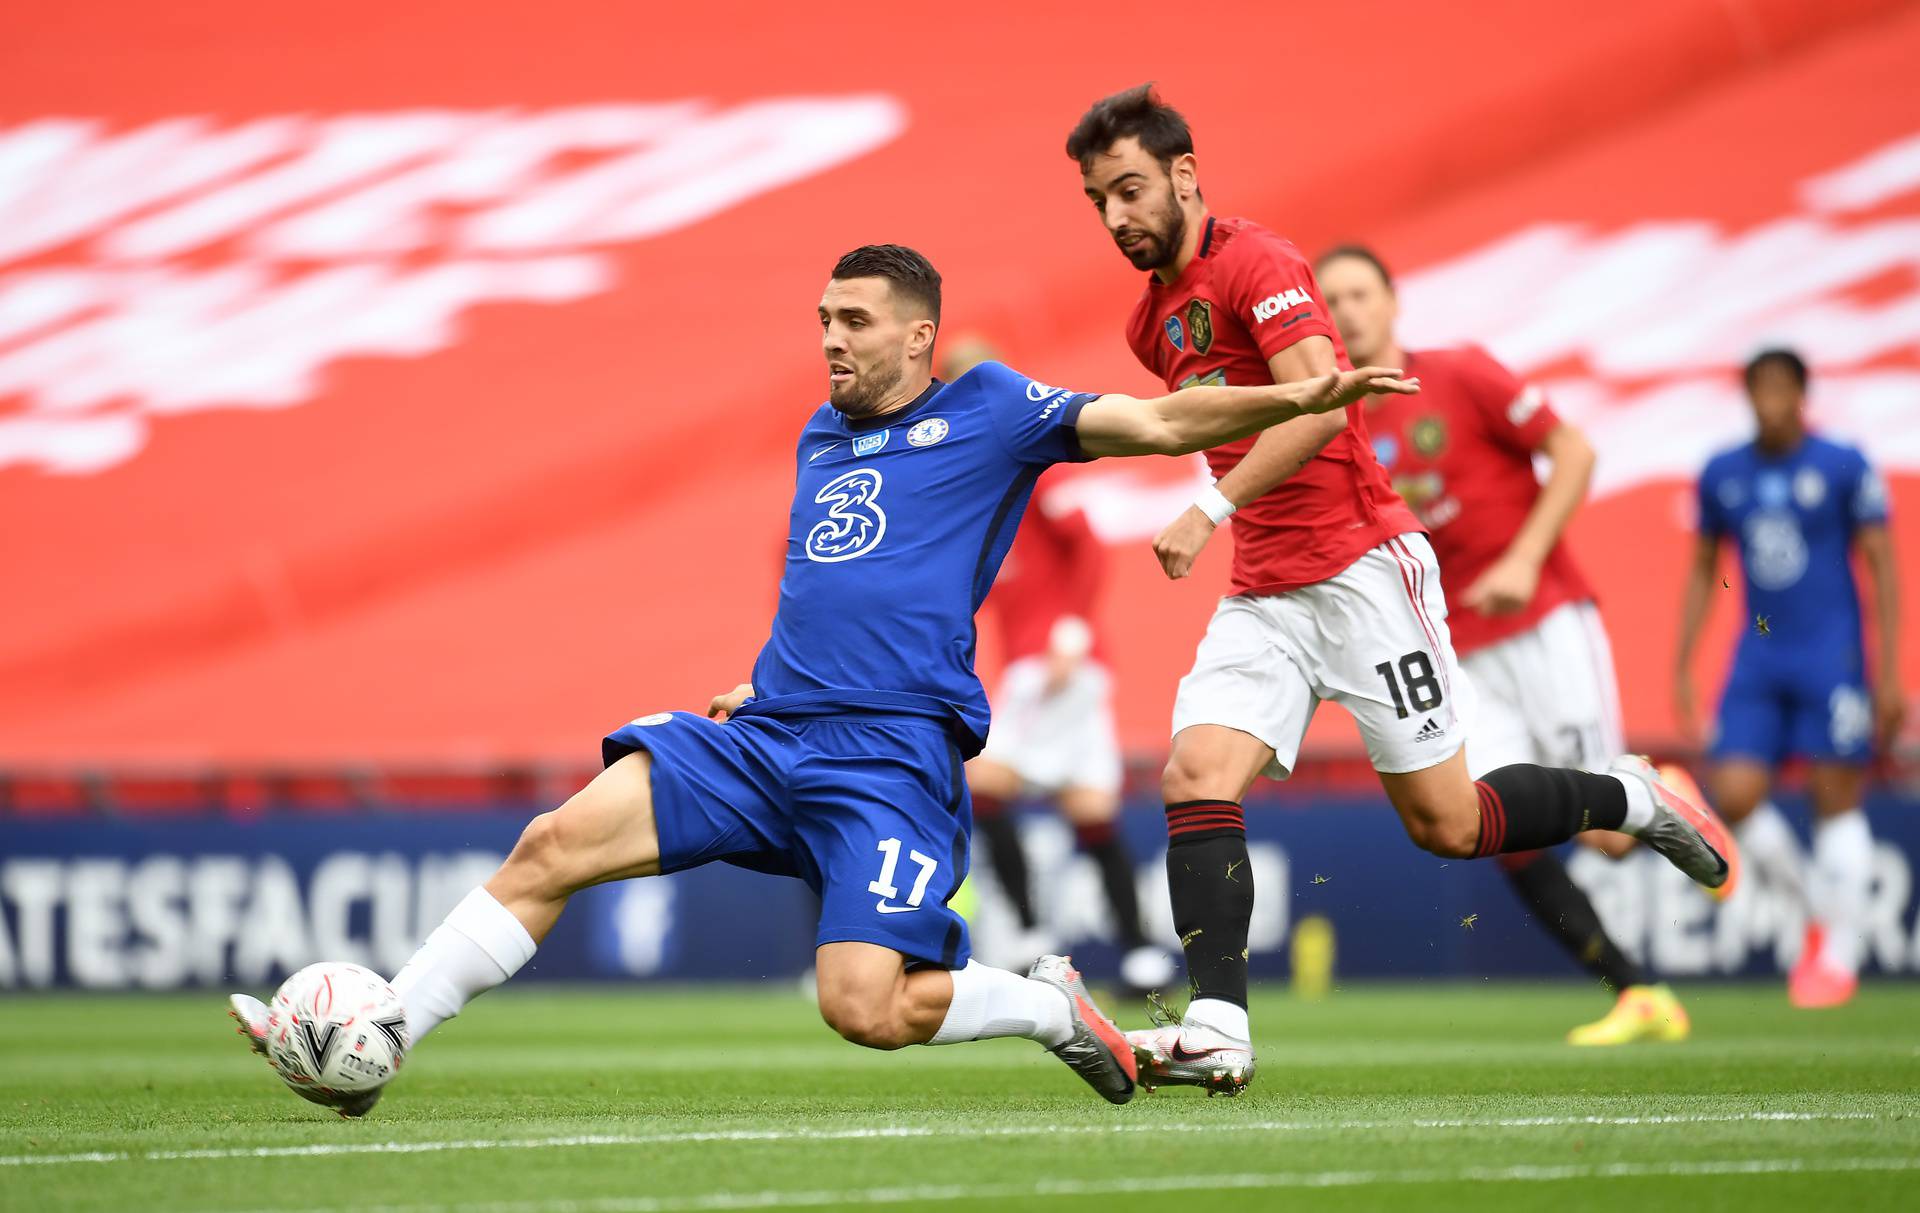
[1507, 586]
[1889, 713]
[724, 706]
[1180, 544]
[1342, 388]
[1684, 715]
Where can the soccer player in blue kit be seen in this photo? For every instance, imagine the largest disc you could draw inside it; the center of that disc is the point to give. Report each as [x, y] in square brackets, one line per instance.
[840, 762]
[1797, 507]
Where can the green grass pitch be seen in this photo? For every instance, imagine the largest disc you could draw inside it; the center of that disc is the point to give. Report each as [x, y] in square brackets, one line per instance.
[636, 1101]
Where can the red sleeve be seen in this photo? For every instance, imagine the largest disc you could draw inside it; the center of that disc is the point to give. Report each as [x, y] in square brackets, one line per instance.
[1269, 287]
[1516, 415]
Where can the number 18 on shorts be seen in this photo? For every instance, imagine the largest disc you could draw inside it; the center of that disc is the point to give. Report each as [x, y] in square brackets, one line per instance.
[1373, 639]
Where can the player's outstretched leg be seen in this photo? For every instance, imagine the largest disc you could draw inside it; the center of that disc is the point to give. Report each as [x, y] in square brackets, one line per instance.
[870, 997]
[604, 832]
[1641, 1010]
[1523, 807]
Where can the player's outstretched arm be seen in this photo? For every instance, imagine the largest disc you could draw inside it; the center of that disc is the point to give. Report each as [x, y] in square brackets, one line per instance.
[1195, 418]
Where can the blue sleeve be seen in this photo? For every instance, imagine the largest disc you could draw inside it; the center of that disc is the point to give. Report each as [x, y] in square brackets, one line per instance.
[1867, 503]
[1035, 422]
[1713, 522]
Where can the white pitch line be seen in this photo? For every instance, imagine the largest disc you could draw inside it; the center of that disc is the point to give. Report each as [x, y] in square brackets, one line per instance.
[887, 1132]
[776, 1199]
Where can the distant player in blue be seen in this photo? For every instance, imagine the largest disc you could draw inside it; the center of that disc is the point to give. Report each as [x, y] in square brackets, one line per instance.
[841, 761]
[1797, 508]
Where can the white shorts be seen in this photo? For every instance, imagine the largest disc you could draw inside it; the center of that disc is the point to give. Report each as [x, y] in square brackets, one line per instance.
[1547, 696]
[1054, 742]
[1373, 638]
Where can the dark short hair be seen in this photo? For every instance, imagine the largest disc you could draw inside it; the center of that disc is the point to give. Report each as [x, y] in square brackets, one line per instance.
[910, 274]
[1358, 252]
[1779, 356]
[1138, 113]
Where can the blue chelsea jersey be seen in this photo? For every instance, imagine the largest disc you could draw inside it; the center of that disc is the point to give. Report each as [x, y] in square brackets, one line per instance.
[898, 527]
[1794, 518]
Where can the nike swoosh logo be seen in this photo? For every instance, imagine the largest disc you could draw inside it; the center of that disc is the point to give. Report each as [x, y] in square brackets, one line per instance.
[884, 908]
[823, 450]
[1180, 1052]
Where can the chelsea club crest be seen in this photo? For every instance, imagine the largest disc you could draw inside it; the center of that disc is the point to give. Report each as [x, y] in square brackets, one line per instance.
[928, 432]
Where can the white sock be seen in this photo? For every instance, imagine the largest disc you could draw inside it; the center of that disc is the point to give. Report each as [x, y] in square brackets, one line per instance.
[1639, 804]
[1772, 852]
[1842, 866]
[480, 945]
[988, 1003]
[1220, 1015]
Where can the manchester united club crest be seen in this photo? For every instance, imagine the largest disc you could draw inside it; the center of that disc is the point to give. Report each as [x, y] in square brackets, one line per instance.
[1429, 435]
[1175, 333]
[1200, 325]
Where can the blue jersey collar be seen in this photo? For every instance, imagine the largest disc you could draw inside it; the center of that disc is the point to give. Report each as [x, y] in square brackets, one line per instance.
[860, 425]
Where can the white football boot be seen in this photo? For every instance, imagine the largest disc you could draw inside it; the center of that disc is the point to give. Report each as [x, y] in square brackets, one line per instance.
[1177, 1054]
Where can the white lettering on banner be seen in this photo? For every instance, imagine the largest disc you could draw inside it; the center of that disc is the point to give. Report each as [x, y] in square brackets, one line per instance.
[1656, 914]
[180, 266]
[171, 920]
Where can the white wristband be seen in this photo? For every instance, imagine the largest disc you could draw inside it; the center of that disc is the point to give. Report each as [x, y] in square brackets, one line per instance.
[1214, 504]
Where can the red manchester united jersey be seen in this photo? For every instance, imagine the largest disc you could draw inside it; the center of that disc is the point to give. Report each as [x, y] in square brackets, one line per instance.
[1461, 453]
[1054, 569]
[1246, 295]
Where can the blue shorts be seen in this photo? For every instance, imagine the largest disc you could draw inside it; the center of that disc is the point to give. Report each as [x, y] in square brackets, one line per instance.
[1799, 704]
[872, 812]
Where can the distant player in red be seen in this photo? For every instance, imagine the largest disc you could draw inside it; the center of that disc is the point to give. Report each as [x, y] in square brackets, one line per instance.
[1053, 732]
[1522, 615]
[1336, 595]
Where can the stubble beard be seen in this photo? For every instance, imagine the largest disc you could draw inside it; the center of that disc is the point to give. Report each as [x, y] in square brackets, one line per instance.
[864, 396]
[1161, 247]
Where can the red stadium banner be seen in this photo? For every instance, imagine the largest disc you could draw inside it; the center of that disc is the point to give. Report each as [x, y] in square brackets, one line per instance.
[374, 390]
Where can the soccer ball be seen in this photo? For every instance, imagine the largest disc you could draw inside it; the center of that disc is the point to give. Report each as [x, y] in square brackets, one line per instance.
[336, 1032]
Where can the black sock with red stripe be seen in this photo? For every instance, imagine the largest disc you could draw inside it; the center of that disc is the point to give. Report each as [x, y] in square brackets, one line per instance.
[1100, 841]
[1211, 887]
[1563, 909]
[1524, 807]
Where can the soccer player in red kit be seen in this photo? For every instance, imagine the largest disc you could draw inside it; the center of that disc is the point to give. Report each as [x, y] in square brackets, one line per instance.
[1522, 616]
[1336, 595]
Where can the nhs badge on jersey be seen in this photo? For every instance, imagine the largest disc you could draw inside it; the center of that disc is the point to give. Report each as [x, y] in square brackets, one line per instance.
[1386, 448]
[928, 432]
[1176, 333]
[867, 444]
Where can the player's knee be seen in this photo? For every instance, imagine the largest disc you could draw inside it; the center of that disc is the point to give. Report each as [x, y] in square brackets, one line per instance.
[541, 859]
[1449, 836]
[862, 1018]
[1187, 778]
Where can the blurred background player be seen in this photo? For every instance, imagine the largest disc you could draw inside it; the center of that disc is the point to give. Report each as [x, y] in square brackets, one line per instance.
[1523, 618]
[1336, 595]
[1797, 507]
[1053, 732]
